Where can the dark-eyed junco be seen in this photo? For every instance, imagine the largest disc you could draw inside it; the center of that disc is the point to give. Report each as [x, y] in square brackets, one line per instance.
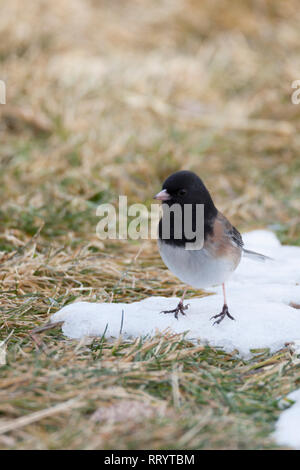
[222, 246]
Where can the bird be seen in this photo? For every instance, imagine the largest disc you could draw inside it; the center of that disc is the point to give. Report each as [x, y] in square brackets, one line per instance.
[217, 256]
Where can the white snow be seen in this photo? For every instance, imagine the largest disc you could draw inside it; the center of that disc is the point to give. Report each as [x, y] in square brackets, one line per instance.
[287, 431]
[258, 295]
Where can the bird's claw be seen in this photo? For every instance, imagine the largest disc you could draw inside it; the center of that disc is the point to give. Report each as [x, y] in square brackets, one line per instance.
[180, 308]
[222, 315]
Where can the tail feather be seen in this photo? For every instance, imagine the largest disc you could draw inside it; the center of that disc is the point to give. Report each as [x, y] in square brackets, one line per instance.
[255, 256]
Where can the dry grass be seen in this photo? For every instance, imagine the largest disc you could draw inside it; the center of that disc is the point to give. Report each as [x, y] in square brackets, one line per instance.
[107, 98]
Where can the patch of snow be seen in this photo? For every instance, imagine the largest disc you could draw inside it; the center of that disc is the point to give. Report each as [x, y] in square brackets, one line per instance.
[287, 431]
[258, 294]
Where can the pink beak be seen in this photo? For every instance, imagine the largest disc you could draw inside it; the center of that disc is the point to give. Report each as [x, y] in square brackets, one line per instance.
[162, 195]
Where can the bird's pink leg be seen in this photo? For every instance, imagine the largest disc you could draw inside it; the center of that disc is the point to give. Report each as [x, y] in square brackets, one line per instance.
[183, 295]
[224, 293]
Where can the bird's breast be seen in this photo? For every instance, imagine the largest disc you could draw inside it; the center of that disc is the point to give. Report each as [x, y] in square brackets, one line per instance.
[198, 268]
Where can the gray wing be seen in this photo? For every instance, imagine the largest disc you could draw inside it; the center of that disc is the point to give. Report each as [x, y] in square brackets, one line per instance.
[233, 233]
[236, 236]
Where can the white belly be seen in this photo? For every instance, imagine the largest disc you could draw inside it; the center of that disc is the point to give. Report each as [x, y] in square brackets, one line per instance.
[195, 267]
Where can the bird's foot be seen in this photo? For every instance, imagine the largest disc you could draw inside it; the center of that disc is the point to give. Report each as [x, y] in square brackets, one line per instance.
[180, 308]
[222, 315]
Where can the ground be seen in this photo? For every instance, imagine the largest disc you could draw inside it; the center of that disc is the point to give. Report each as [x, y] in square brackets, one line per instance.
[107, 98]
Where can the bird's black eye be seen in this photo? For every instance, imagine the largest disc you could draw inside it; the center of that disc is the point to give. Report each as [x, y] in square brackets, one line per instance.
[181, 192]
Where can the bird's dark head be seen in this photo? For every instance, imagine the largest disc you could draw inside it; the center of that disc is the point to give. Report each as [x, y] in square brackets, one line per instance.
[185, 187]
